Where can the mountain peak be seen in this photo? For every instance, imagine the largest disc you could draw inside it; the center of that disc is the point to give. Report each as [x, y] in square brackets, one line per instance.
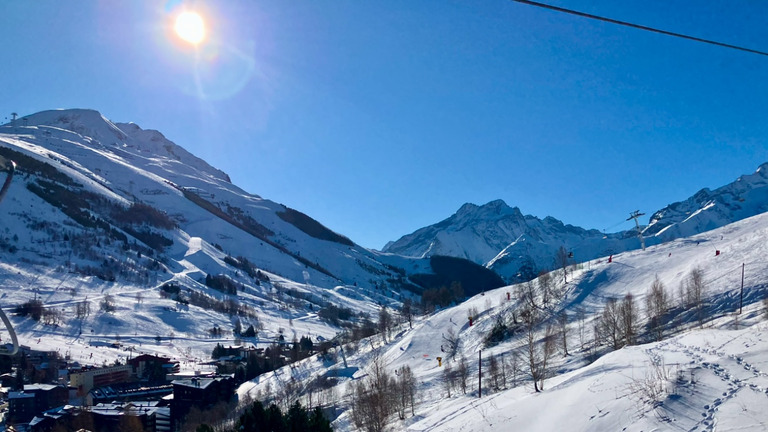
[496, 204]
[467, 208]
[86, 122]
[99, 132]
[495, 207]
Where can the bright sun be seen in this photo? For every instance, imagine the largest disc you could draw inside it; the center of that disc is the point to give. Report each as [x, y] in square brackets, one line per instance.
[190, 27]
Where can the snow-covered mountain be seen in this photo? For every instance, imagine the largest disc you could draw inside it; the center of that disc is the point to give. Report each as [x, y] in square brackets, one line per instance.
[707, 210]
[517, 246]
[514, 245]
[76, 165]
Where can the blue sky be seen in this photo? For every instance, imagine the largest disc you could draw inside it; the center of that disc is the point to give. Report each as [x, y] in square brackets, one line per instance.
[380, 117]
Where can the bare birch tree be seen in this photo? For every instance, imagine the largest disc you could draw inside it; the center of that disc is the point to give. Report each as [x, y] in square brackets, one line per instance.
[656, 307]
[628, 311]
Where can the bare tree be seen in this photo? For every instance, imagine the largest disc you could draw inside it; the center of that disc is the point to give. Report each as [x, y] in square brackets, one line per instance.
[51, 316]
[462, 373]
[450, 343]
[628, 311]
[82, 309]
[385, 323]
[513, 363]
[407, 312]
[533, 355]
[539, 353]
[449, 378]
[548, 348]
[609, 324]
[546, 287]
[656, 307]
[694, 293]
[372, 398]
[493, 375]
[597, 339]
[503, 372]
[406, 391]
[526, 294]
[581, 318]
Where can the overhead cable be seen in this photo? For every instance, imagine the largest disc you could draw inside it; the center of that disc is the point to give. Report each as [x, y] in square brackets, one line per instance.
[637, 26]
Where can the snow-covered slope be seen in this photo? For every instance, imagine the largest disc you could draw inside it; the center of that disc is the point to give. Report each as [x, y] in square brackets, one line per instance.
[706, 378]
[126, 164]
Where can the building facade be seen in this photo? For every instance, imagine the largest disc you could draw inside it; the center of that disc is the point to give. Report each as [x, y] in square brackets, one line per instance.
[85, 379]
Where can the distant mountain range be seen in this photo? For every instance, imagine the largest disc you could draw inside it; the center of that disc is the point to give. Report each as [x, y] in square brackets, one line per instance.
[517, 246]
[83, 176]
[90, 194]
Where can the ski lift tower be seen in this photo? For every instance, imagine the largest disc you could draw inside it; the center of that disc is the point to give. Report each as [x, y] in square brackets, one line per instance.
[634, 215]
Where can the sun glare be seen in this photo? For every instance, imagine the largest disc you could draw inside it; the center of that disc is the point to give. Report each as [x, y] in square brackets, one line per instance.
[190, 27]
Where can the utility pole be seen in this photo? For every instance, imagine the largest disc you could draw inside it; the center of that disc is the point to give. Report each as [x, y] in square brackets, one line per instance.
[634, 215]
[741, 294]
[480, 373]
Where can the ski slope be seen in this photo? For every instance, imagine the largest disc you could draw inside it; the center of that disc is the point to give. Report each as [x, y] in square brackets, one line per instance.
[705, 379]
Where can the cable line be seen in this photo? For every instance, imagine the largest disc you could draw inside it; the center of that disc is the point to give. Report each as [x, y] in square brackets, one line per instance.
[637, 26]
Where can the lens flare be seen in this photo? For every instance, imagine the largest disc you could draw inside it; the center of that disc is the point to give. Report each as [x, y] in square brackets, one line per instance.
[190, 27]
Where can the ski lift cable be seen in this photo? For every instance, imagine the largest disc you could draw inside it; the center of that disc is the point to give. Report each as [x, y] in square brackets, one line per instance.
[640, 27]
[726, 273]
[614, 225]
